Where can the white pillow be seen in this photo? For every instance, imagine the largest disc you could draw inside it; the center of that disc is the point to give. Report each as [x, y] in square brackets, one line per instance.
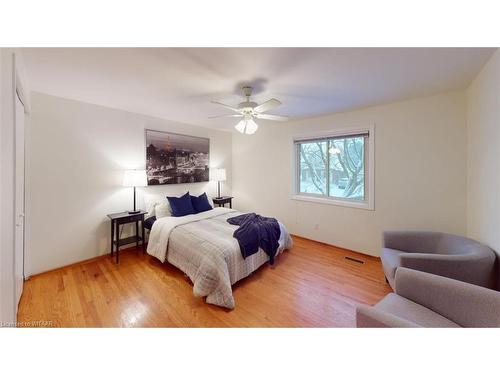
[210, 200]
[163, 209]
[155, 203]
[149, 204]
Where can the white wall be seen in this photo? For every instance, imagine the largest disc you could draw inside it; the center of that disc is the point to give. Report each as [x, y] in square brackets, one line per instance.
[78, 152]
[483, 163]
[7, 307]
[6, 187]
[420, 177]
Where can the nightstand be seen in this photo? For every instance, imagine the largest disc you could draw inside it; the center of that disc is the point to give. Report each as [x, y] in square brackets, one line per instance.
[122, 218]
[222, 201]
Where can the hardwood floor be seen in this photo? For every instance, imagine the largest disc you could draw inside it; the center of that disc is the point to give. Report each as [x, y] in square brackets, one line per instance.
[312, 285]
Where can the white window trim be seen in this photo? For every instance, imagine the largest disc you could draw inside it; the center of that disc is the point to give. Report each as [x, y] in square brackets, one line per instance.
[369, 203]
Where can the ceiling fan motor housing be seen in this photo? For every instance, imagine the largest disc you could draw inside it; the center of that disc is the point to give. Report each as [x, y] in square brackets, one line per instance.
[247, 107]
[247, 91]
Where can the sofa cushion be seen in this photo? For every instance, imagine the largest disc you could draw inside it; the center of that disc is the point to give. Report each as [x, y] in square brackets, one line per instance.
[390, 262]
[413, 312]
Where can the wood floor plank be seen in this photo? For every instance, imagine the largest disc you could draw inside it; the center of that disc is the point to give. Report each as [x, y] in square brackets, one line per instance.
[311, 285]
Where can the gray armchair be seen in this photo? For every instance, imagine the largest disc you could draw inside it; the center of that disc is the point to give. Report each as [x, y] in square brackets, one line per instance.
[442, 254]
[426, 300]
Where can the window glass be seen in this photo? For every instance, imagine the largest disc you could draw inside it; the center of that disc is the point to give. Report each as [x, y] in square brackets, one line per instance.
[313, 167]
[347, 168]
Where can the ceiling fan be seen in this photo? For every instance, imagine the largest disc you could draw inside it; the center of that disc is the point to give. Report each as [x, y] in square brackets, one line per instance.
[249, 111]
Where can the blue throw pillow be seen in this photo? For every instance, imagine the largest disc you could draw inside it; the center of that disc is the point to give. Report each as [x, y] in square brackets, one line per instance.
[200, 204]
[181, 206]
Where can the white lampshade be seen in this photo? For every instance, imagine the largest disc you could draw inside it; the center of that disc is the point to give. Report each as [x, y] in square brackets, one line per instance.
[135, 178]
[247, 126]
[219, 174]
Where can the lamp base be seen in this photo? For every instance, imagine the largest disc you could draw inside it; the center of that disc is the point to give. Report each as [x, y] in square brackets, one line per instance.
[134, 212]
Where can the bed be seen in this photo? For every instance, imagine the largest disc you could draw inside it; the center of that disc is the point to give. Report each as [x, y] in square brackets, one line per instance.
[202, 246]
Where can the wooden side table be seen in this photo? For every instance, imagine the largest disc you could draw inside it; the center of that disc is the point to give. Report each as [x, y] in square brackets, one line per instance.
[122, 218]
[221, 201]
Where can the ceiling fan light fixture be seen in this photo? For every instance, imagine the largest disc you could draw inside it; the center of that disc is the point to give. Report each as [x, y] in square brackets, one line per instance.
[251, 127]
[247, 126]
[241, 126]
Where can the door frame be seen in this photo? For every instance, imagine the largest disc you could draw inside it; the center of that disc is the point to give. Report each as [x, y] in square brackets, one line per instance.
[20, 88]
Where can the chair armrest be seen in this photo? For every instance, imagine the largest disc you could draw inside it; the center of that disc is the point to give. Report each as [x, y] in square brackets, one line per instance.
[370, 317]
[466, 304]
[411, 241]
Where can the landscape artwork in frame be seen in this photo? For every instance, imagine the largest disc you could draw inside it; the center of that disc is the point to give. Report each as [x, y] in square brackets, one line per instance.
[175, 158]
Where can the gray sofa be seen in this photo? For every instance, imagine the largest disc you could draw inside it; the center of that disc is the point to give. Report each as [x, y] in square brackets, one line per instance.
[442, 254]
[426, 300]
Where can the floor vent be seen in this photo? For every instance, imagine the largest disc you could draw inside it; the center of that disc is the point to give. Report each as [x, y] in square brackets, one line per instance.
[355, 260]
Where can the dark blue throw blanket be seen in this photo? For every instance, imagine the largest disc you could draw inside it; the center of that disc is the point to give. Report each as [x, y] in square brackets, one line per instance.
[256, 231]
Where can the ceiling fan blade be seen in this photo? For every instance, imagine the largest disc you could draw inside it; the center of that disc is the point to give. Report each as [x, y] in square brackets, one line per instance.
[271, 117]
[266, 106]
[227, 106]
[226, 116]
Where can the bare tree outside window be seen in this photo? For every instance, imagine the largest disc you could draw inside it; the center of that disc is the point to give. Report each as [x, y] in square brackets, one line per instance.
[313, 161]
[333, 167]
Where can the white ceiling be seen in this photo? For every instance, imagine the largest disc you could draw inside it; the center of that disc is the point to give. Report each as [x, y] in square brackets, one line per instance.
[178, 84]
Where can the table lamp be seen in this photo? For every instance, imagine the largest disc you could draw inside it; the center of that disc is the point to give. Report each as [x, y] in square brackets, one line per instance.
[134, 178]
[219, 174]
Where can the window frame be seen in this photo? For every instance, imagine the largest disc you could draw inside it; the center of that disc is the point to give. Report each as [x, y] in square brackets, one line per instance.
[369, 202]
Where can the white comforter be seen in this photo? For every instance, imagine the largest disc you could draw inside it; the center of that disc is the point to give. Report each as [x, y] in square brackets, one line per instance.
[203, 247]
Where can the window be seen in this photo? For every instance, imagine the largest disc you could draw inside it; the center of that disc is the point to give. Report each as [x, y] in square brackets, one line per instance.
[335, 167]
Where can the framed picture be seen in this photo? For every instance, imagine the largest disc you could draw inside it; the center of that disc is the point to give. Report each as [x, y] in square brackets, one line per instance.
[175, 158]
